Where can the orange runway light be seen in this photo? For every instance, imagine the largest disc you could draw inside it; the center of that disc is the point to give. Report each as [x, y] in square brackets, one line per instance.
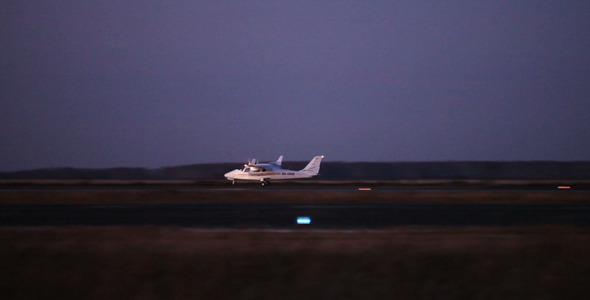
[564, 187]
[364, 189]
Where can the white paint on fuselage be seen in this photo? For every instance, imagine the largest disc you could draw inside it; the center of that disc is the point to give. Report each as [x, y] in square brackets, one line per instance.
[273, 171]
[276, 174]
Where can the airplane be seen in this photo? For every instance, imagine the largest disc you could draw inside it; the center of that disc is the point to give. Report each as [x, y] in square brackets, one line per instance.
[273, 171]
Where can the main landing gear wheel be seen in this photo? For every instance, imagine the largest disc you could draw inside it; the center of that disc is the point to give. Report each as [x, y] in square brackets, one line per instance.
[264, 182]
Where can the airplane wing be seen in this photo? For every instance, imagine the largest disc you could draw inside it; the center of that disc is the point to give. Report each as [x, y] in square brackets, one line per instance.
[255, 166]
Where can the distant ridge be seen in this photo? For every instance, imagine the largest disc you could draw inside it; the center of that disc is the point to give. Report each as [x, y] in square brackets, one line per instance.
[534, 170]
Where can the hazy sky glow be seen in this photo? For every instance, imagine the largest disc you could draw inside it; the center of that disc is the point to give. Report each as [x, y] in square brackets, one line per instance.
[160, 83]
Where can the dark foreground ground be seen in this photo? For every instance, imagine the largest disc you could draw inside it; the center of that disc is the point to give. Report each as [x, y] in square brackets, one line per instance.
[544, 262]
[402, 262]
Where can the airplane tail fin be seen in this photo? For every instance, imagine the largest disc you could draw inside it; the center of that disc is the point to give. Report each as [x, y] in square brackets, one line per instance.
[313, 166]
[280, 160]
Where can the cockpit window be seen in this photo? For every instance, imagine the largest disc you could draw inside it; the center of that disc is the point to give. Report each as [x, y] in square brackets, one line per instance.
[246, 170]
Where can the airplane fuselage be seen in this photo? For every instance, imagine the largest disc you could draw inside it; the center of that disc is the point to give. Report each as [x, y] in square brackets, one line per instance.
[276, 174]
[272, 171]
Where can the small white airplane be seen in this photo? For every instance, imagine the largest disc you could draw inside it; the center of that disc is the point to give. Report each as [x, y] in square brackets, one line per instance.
[272, 170]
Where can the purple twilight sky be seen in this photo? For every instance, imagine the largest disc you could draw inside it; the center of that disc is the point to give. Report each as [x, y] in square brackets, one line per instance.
[160, 83]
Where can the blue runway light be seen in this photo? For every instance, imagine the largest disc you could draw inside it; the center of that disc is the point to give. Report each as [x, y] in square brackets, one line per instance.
[303, 220]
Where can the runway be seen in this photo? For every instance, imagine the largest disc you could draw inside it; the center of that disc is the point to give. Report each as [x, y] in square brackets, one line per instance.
[322, 216]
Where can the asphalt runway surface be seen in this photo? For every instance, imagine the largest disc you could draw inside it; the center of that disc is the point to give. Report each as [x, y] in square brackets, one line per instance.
[264, 215]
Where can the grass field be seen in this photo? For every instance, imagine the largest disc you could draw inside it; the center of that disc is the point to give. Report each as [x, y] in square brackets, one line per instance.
[417, 191]
[399, 263]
